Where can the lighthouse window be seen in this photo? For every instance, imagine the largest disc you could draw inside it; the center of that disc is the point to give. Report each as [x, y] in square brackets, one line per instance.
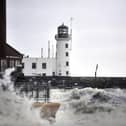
[66, 45]
[67, 54]
[44, 66]
[67, 72]
[44, 74]
[67, 63]
[33, 65]
[63, 31]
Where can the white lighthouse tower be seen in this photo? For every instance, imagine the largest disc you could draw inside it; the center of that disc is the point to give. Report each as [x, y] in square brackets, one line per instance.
[63, 49]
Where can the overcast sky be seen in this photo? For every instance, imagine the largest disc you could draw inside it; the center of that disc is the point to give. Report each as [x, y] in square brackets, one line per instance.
[99, 31]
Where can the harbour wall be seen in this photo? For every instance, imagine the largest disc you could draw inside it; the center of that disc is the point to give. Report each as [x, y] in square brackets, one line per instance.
[73, 82]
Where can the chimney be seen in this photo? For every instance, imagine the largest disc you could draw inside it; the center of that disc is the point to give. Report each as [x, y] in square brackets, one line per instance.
[52, 51]
[48, 49]
[41, 52]
[2, 28]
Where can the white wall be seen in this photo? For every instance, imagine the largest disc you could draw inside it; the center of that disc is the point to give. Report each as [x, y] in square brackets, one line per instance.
[62, 58]
[50, 63]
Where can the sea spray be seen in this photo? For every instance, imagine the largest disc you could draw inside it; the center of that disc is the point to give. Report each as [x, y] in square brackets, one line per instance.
[15, 110]
[93, 100]
[6, 82]
[91, 107]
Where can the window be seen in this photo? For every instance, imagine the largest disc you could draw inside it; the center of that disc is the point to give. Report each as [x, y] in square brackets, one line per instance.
[11, 63]
[67, 63]
[63, 30]
[53, 73]
[44, 74]
[60, 74]
[33, 65]
[23, 65]
[67, 72]
[43, 65]
[3, 64]
[66, 45]
[67, 54]
[17, 62]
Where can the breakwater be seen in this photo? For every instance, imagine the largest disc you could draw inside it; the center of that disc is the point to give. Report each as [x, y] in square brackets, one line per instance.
[74, 82]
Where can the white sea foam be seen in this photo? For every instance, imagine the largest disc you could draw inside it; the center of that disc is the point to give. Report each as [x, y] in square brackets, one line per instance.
[91, 107]
[79, 107]
[15, 110]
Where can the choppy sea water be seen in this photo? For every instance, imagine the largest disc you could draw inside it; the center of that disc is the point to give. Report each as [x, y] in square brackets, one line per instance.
[79, 107]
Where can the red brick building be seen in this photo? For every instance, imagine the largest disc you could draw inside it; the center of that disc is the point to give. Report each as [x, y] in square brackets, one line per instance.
[9, 57]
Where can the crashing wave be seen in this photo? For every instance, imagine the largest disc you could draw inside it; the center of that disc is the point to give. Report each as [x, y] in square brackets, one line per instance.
[15, 110]
[90, 100]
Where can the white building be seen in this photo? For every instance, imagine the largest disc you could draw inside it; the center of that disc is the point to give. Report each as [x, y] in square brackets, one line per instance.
[58, 66]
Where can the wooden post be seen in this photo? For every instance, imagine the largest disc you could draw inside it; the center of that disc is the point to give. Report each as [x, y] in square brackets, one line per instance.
[96, 71]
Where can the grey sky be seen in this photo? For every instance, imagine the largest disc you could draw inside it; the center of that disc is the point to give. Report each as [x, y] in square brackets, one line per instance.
[99, 31]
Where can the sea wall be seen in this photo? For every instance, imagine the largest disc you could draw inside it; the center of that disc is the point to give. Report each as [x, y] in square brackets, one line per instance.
[74, 82]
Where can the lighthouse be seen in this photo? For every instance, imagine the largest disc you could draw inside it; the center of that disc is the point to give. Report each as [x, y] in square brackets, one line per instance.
[63, 49]
[58, 65]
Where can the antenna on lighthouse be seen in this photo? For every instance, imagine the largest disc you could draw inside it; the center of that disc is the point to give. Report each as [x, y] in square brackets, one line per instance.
[71, 20]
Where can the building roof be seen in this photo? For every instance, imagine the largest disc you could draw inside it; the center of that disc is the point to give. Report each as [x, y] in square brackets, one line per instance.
[62, 26]
[11, 52]
[5, 49]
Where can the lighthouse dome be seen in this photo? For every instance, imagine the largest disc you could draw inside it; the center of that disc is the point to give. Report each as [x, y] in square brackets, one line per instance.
[63, 26]
[63, 31]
